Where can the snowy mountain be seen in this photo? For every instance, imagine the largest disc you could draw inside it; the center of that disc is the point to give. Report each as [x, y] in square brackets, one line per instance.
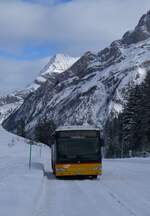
[11, 102]
[57, 64]
[95, 87]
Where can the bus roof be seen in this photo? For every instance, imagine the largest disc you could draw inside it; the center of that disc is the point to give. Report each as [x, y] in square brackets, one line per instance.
[76, 128]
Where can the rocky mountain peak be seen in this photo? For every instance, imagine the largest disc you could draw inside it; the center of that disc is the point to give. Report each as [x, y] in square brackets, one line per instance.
[140, 33]
[57, 64]
[144, 22]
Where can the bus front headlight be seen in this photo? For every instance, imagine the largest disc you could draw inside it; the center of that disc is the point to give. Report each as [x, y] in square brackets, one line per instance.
[96, 168]
[60, 169]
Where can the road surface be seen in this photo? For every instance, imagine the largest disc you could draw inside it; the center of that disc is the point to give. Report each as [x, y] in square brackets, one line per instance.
[123, 189]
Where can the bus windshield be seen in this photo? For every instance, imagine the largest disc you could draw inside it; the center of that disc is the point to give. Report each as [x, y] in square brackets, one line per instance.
[78, 149]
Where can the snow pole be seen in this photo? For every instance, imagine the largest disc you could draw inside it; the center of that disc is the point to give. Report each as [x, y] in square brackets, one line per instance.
[30, 155]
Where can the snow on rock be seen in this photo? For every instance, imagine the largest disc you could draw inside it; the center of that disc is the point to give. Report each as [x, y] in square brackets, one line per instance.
[57, 64]
[8, 104]
[8, 109]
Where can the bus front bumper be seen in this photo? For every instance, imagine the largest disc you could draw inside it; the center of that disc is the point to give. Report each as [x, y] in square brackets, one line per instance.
[77, 169]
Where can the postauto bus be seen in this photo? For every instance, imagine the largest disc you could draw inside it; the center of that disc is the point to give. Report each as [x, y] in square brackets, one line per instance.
[77, 152]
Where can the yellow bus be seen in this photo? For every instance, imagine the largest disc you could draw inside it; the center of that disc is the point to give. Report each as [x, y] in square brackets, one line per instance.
[77, 152]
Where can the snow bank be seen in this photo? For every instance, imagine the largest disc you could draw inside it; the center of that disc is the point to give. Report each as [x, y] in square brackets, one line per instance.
[19, 186]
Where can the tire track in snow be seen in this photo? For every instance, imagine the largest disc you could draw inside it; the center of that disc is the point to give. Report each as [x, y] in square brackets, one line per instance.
[119, 201]
[79, 197]
[111, 194]
[64, 198]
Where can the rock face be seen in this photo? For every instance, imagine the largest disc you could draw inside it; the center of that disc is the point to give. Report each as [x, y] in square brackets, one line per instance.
[141, 31]
[95, 87]
[8, 104]
[11, 102]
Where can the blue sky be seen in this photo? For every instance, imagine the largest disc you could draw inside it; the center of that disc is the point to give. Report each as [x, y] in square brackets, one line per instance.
[34, 30]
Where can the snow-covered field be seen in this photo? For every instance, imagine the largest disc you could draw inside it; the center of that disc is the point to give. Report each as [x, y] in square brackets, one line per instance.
[122, 190]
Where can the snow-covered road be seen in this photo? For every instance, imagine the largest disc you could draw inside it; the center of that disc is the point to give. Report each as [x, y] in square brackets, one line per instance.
[122, 190]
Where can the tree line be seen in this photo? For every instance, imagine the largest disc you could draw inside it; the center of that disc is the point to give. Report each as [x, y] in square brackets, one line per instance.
[43, 131]
[129, 132]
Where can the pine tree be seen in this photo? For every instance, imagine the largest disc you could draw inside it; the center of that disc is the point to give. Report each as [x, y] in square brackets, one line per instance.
[113, 137]
[146, 114]
[131, 120]
[131, 129]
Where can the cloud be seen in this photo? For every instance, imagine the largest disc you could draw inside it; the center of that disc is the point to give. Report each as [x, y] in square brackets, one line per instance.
[78, 25]
[16, 74]
[20, 23]
[71, 27]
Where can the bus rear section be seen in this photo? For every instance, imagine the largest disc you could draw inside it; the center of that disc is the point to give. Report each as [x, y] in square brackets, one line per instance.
[77, 152]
